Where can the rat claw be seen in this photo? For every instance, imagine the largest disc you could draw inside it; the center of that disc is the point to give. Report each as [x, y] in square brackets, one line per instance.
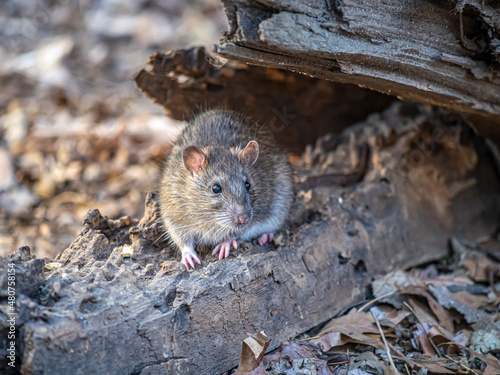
[265, 238]
[262, 239]
[187, 258]
[222, 250]
[216, 250]
[224, 247]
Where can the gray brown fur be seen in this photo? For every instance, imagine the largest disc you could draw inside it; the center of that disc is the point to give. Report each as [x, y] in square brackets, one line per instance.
[192, 214]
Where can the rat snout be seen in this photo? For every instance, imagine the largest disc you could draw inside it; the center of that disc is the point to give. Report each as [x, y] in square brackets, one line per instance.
[243, 218]
[239, 214]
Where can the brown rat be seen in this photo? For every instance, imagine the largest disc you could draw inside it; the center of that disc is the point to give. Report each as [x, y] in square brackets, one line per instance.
[225, 178]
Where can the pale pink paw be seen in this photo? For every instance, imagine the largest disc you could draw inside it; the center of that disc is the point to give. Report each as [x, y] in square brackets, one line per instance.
[224, 247]
[265, 238]
[188, 256]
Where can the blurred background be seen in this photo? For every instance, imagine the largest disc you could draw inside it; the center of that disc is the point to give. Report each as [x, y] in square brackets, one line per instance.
[75, 132]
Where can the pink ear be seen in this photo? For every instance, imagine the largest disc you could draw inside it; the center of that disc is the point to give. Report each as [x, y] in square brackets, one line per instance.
[248, 156]
[193, 158]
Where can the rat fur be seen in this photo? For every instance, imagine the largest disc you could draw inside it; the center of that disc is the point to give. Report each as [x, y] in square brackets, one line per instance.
[226, 151]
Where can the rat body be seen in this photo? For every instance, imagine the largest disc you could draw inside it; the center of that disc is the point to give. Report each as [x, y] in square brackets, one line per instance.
[225, 178]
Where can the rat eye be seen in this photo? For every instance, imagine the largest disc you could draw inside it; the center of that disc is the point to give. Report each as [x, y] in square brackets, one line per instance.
[247, 185]
[216, 189]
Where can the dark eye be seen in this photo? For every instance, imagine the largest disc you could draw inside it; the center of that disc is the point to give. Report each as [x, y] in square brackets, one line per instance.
[247, 185]
[216, 189]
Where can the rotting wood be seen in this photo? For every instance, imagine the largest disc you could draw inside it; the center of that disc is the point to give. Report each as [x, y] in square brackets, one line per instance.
[298, 108]
[103, 313]
[441, 52]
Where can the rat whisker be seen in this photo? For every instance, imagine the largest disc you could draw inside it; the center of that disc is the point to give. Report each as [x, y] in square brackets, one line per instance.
[206, 234]
[191, 213]
[217, 233]
[187, 226]
[164, 236]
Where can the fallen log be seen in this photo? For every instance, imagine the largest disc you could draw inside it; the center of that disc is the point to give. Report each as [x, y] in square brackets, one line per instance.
[297, 108]
[439, 52]
[103, 311]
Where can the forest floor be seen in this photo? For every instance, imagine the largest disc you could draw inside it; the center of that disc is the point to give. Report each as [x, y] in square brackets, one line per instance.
[76, 135]
[437, 319]
[75, 132]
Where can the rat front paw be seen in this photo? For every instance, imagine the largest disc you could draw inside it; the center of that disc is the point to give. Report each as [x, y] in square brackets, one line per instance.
[188, 256]
[224, 247]
[265, 238]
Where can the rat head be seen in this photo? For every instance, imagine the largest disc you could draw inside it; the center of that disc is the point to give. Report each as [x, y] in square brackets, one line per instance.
[223, 184]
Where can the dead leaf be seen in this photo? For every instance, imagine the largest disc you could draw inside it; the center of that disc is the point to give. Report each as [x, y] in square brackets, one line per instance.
[490, 360]
[479, 268]
[366, 362]
[389, 285]
[355, 327]
[491, 370]
[291, 355]
[291, 366]
[434, 366]
[429, 272]
[472, 300]
[330, 340]
[462, 337]
[422, 312]
[294, 349]
[423, 340]
[434, 331]
[388, 370]
[448, 280]
[360, 320]
[446, 299]
[439, 336]
[443, 316]
[252, 351]
[390, 314]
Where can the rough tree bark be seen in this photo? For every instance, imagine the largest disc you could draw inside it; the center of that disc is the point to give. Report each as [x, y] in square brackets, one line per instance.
[184, 81]
[441, 52]
[101, 313]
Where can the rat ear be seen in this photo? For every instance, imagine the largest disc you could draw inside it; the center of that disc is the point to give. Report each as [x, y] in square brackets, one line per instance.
[194, 159]
[248, 156]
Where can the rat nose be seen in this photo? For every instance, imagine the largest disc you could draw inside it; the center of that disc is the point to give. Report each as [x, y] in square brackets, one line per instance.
[239, 214]
[243, 218]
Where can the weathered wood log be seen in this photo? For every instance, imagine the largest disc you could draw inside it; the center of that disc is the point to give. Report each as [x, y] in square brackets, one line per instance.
[101, 313]
[298, 108]
[440, 52]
